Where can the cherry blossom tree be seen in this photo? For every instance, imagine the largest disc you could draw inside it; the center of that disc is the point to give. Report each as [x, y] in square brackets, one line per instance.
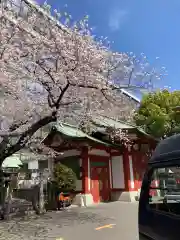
[51, 72]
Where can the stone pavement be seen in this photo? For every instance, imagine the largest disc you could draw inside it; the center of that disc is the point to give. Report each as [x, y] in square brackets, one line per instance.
[114, 220]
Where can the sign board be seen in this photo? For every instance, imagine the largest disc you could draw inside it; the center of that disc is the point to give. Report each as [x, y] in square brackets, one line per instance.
[33, 165]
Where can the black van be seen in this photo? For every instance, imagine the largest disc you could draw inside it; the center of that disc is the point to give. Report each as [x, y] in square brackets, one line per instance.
[159, 204]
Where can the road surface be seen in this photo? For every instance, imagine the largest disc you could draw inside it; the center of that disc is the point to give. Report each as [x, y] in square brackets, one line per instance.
[108, 221]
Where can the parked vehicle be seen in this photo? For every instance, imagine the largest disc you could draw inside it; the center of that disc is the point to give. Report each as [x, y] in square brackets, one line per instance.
[159, 204]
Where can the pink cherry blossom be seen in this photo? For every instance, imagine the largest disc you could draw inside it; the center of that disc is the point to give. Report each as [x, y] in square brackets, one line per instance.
[50, 72]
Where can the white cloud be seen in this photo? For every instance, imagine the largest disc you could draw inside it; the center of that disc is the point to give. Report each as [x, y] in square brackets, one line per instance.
[117, 17]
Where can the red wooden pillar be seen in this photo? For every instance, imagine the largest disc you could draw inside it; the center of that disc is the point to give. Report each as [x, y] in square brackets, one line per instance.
[85, 172]
[136, 161]
[110, 170]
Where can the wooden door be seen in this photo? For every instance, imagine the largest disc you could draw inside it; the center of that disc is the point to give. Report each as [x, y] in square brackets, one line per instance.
[100, 189]
[104, 188]
[95, 185]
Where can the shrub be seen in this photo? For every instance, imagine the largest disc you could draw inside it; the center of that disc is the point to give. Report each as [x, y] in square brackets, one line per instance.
[64, 177]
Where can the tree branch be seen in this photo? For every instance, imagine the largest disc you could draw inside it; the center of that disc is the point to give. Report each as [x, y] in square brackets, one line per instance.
[57, 104]
[51, 100]
[26, 135]
[16, 125]
[48, 72]
[85, 86]
[130, 76]
[111, 87]
[105, 96]
[12, 129]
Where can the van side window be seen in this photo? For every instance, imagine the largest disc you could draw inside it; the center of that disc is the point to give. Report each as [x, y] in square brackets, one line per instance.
[164, 192]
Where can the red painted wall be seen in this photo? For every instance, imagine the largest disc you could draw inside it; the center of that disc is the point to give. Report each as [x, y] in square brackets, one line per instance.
[140, 161]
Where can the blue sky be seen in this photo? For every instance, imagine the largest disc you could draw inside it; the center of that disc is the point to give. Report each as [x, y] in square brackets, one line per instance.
[148, 26]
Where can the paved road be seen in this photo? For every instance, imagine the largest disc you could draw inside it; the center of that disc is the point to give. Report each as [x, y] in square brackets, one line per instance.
[108, 221]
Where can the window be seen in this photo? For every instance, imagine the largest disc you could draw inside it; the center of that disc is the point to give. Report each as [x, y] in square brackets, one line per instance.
[164, 192]
[43, 164]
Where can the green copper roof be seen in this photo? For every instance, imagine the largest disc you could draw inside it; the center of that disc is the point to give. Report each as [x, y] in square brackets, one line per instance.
[72, 132]
[108, 122]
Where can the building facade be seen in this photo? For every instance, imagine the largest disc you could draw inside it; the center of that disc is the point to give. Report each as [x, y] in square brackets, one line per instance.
[105, 172]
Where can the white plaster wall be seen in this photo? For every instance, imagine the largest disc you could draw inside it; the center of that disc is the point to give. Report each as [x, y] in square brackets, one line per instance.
[117, 172]
[131, 172]
[98, 152]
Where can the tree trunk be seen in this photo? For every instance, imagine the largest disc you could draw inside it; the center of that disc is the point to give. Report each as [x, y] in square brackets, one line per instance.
[8, 203]
[35, 200]
[2, 203]
[6, 150]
